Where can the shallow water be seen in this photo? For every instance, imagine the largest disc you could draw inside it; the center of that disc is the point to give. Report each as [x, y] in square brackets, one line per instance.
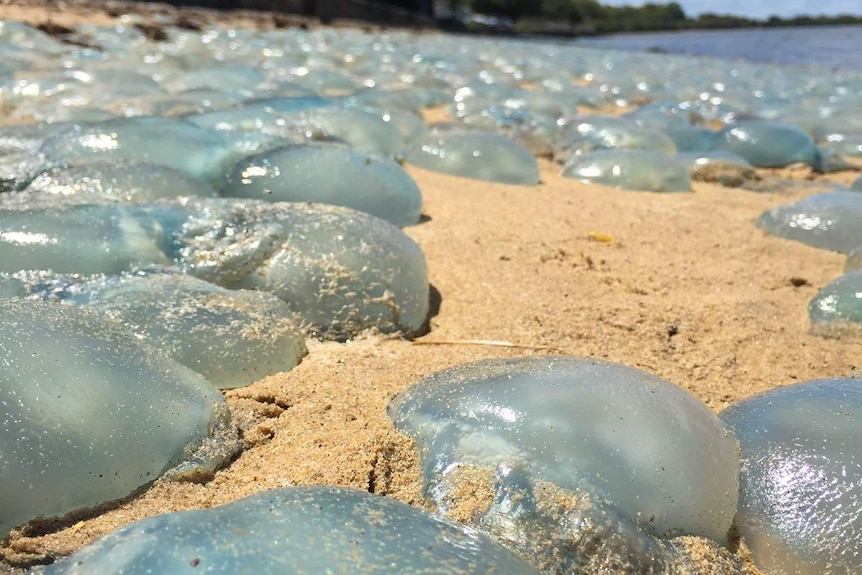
[831, 46]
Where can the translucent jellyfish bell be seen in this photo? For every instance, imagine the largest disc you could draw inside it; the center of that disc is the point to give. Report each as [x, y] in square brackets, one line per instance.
[340, 271]
[328, 174]
[97, 181]
[231, 337]
[631, 170]
[168, 142]
[617, 134]
[832, 221]
[482, 156]
[642, 458]
[84, 239]
[838, 305]
[689, 138]
[767, 144]
[88, 414]
[295, 530]
[800, 509]
[363, 130]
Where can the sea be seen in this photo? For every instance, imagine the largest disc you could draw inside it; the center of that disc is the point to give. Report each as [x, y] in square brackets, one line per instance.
[836, 47]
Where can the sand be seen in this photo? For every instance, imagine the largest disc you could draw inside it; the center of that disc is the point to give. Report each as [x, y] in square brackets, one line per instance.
[680, 285]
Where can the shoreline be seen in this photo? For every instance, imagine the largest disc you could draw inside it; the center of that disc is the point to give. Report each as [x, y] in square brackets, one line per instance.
[521, 264]
[75, 12]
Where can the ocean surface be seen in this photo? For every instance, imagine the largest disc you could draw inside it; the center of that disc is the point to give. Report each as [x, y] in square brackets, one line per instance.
[831, 46]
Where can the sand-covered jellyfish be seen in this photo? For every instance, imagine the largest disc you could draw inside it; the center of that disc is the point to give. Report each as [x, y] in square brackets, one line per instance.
[295, 530]
[338, 270]
[583, 463]
[231, 337]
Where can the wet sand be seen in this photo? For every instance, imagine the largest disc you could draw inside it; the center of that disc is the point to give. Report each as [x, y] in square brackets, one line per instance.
[680, 285]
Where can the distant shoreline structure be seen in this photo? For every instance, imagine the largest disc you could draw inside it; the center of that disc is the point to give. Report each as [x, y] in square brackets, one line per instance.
[572, 18]
[407, 13]
[565, 18]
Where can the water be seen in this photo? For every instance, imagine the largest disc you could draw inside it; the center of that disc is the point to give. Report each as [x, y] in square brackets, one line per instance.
[832, 46]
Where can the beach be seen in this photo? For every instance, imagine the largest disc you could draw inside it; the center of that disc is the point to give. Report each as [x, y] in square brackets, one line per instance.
[683, 286]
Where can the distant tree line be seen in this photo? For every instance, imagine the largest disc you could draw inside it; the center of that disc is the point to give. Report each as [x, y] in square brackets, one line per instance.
[591, 16]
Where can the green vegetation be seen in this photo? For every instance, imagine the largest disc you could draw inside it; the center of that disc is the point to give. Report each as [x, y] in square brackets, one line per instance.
[589, 16]
[634, 19]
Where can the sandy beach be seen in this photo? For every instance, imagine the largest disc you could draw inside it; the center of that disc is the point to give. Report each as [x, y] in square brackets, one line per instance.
[680, 285]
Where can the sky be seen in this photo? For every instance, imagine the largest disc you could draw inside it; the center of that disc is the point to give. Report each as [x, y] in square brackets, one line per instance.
[759, 8]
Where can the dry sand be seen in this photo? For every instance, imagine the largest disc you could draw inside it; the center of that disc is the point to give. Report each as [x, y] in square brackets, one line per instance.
[687, 288]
